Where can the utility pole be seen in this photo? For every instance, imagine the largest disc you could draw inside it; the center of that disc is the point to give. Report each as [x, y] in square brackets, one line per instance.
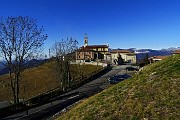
[49, 53]
[97, 60]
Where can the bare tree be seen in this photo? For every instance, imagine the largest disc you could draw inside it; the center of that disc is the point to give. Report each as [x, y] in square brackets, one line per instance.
[20, 38]
[64, 52]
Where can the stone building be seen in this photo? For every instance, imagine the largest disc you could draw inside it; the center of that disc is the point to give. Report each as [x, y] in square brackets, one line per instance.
[125, 55]
[91, 52]
[102, 53]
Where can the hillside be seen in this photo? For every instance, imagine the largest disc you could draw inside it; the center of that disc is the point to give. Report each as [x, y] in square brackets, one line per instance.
[153, 93]
[27, 64]
[37, 80]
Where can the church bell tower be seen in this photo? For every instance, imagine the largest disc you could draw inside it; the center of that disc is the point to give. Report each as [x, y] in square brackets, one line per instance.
[85, 40]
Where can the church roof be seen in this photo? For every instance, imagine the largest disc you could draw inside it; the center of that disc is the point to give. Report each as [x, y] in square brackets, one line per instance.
[96, 46]
[84, 49]
[90, 47]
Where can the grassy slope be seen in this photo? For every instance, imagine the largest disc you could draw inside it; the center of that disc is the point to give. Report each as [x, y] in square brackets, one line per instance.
[40, 79]
[153, 93]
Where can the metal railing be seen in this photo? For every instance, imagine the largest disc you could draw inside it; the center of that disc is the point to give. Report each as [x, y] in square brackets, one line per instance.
[51, 95]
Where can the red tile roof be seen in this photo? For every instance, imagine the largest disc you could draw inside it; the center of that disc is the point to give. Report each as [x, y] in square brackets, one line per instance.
[160, 57]
[121, 51]
[176, 52]
[84, 49]
[96, 46]
[91, 47]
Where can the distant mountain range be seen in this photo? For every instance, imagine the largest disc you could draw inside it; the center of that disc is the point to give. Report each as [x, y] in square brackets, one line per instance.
[28, 64]
[141, 53]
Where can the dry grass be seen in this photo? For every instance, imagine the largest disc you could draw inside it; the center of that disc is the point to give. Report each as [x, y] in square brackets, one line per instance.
[39, 79]
[152, 94]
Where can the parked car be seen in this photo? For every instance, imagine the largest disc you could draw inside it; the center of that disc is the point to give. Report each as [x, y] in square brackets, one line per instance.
[117, 78]
[131, 69]
[113, 80]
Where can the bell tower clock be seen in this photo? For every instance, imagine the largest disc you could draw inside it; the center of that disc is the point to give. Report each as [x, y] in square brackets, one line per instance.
[85, 40]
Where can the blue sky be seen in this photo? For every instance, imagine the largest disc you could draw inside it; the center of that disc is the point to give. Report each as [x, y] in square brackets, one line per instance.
[123, 24]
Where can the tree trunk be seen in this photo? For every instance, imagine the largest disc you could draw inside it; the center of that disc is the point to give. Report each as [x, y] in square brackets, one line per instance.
[17, 84]
[12, 86]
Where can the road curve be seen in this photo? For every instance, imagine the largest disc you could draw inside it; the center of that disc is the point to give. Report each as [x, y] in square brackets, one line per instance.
[50, 109]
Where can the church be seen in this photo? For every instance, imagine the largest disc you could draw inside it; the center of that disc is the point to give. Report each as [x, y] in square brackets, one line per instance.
[91, 52]
[101, 53]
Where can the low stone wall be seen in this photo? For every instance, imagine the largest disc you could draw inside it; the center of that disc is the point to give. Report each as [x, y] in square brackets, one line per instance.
[51, 95]
[90, 63]
[4, 104]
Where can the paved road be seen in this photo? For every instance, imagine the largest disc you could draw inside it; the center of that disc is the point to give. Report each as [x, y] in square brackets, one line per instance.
[101, 83]
[48, 110]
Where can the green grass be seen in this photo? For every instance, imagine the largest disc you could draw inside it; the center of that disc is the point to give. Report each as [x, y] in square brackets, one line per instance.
[152, 94]
[40, 79]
